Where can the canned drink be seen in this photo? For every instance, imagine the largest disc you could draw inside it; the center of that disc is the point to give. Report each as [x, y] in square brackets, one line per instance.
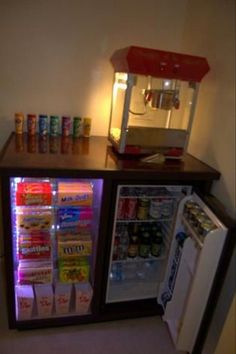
[167, 208]
[77, 127]
[205, 227]
[200, 217]
[193, 213]
[54, 125]
[19, 123]
[187, 208]
[43, 124]
[121, 209]
[87, 127]
[156, 208]
[143, 208]
[31, 124]
[131, 208]
[65, 129]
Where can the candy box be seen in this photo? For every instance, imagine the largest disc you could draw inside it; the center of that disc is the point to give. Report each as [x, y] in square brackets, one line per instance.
[33, 220]
[24, 301]
[62, 298]
[38, 193]
[75, 194]
[83, 297]
[44, 299]
[74, 218]
[34, 246]
[73, 245]
[73, 270]
[37, 272]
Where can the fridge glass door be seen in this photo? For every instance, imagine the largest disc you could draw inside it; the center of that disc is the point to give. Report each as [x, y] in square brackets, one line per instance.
[141, 237]
[54, 236]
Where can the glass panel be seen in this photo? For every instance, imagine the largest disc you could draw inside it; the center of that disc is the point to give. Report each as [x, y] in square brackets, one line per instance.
[55, 232]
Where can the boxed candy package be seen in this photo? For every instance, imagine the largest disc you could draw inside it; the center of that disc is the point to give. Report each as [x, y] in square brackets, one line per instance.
[24, 301]
[35, 272]
[33, 220]
[34, 246]
[73, 270]
[83, 297]
[62, 298]
[44, 299]
[74, 219]
[37, 193]
[75, 194]
[73, 245]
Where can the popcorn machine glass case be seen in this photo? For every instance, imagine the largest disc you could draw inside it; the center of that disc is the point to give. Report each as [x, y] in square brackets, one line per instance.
[153, 101]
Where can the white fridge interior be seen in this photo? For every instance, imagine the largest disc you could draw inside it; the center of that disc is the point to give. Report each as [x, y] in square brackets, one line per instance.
[194, 256]
[137, 264]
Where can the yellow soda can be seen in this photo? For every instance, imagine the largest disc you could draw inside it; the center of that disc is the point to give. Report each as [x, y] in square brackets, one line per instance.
[19, 123]
[87, 127]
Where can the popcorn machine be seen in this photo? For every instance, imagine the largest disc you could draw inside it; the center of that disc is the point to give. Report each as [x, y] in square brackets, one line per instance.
[153, 101]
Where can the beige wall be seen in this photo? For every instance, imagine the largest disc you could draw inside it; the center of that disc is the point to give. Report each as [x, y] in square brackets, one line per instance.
[210, 31]
[55, 53]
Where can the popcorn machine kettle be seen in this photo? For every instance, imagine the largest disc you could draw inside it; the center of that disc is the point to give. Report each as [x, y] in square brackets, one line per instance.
[153, 100]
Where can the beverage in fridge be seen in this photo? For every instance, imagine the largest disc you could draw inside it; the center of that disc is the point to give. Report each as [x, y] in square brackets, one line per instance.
[166, 245]
[54, 233]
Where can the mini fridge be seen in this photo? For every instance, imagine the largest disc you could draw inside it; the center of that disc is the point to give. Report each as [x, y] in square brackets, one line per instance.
[55, 225]
[167, 245]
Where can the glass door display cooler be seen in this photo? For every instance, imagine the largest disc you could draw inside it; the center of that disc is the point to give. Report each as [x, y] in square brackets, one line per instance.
[144, 217]
[167, 245]
[54, 234]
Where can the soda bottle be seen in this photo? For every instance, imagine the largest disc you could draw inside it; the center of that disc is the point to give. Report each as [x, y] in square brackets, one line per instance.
[145, 244]
[157, 240]
[124, 243]
[133, 241]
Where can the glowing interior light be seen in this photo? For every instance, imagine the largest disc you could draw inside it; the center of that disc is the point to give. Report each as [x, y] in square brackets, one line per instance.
[167, 83]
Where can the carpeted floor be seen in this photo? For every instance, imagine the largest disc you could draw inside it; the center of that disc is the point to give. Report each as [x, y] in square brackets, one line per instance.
[135, 336]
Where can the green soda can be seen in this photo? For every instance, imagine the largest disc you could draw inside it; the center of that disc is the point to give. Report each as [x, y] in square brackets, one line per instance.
[54, 125]
[77, 127]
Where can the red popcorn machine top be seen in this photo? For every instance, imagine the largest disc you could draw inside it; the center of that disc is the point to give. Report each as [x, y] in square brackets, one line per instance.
[153, 101]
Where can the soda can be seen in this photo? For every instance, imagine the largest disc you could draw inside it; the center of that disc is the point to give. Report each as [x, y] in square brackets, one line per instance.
[43, 124]
[87, 127]
[31, 124]
[131, 208]
[19, 123]
[156, 208]
[121, 209]
[143, 208]
[65, 129]
[77, 127]
[54, 125]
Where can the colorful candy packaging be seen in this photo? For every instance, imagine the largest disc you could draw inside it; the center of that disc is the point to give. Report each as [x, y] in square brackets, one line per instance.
[74, 218]
[38, 193]
[75, 194]
[35, 272]
[73, 245]
[73, 271]
[32, 220]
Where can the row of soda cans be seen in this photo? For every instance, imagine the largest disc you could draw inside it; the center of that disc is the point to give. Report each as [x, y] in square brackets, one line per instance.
[53, 125]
